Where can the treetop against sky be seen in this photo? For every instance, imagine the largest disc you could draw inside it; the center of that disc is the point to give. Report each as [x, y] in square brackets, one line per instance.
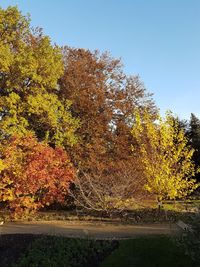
[159, 40]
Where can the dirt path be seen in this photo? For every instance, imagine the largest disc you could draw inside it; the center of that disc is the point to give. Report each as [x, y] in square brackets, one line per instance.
[87, 230]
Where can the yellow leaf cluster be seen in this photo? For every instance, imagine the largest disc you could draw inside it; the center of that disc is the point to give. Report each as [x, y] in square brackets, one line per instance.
[30, 67]
[165, 156]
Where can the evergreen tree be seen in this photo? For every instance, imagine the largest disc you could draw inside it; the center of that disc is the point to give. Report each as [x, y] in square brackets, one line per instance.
[194, 137]
[194, 131]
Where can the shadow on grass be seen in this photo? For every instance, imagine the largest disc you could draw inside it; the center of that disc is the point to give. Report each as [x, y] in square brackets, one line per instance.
[43, 251]
[148, 252]
[47, 251]
[13, 246]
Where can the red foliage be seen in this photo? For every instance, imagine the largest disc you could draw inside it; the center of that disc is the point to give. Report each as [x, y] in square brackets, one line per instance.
[34, 174]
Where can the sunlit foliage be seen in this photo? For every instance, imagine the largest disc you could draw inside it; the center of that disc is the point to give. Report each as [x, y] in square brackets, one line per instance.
[165, 155]
[104, 99]
[29, 71]
[33, 175]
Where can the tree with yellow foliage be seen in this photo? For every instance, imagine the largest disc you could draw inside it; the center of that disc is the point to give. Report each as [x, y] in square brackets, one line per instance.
[30, 67]
[165, 155]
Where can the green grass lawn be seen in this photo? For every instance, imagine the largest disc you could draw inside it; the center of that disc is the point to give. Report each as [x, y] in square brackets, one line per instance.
[148, 252]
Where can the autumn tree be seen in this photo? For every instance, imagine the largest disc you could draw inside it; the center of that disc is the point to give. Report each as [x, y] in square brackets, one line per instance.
[32, 175]
[104, 99]
[29, 70]
[165, 155]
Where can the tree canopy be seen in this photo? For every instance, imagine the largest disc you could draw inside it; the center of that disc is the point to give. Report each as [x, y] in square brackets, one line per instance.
[29, 71]
[62, 104]
[104, 99]
[165, 155]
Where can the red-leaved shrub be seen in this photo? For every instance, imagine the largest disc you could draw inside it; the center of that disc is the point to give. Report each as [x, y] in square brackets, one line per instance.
[33, 175]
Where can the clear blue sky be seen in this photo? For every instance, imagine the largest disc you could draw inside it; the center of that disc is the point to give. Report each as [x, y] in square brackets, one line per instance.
[157, 39]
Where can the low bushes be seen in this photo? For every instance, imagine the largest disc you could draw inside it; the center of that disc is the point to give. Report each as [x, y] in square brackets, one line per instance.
[61, 252]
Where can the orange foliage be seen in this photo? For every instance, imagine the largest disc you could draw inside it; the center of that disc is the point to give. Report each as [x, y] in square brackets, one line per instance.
[33, 175]
[103, 98]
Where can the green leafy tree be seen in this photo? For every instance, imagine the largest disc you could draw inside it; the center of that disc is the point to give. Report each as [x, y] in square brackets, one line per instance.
[165, 155]
[29, 71]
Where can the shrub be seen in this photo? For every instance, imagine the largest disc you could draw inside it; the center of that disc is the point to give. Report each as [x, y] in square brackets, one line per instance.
[32, 175]
[61, 251]
[190, 240]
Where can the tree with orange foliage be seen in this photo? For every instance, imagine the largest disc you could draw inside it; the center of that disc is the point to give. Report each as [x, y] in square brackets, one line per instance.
[104, 99]
[33, 175]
